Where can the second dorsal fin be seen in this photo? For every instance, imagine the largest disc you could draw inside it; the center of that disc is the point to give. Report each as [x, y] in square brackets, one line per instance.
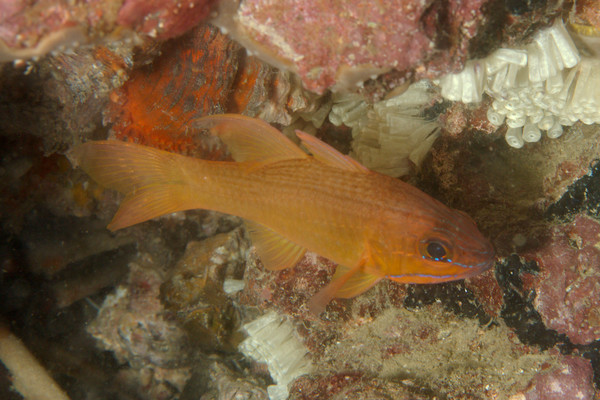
[328, 155]
[250, 139]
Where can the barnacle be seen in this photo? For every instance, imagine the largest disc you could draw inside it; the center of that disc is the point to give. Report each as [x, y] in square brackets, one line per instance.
[272, 340]
[541, 87]
[389, 134]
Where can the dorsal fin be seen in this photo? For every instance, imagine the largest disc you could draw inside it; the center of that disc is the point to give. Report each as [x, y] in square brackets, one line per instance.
[328, 155]
[275, 251]
[250, 139]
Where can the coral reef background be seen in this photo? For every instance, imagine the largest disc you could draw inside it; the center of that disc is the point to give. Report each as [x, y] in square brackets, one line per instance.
[182, 308]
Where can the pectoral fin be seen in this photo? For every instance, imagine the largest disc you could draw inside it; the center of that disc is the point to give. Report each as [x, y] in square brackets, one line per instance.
[358, 283]
[345, 283]
[275, 251]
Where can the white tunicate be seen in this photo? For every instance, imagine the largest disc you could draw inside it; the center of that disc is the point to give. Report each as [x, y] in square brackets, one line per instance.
[502, 111]
[564, 44]
[536, 116]
[565, 121]
[390, 132]
[449, 87]
[512, 105]
[525, 97]
[511, 75]
[534, 56]
[546, 123]
[498, 105]
[272, 340]
[587, 120]
[276, 392]
[556, 131]
[554, 83]
[465, 86]
[511, 56]
[514, 137]
[356, 112]
[516, 113]
[516, 122]
[547, 64]
[343, 106]
[531, 133]
[582, 89]
[545, 83]
[494, 117]
[494, 64]
[472, 83]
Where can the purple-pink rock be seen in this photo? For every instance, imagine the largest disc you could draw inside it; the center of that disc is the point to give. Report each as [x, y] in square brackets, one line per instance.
[25, 24]
[572, 379]
[342, 43]
[163, 19]
[30, 29]
[568, 285]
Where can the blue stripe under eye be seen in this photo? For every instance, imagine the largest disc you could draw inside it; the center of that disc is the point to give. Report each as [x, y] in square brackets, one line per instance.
[446, 260]
[423, 276]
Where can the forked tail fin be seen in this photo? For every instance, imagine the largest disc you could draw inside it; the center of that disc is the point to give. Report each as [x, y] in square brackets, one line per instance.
[154, 182]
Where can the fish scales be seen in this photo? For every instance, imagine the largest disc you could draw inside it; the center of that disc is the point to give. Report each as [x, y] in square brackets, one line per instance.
[303, 200]
[372, 225]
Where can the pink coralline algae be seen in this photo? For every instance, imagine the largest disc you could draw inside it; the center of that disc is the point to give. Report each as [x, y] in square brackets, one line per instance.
[289, 290]
[486, 290]
[568, 286]
[342, 43]
[349, 386]
[30, 29]
[41, 26]
[163, 19]
[571, 379]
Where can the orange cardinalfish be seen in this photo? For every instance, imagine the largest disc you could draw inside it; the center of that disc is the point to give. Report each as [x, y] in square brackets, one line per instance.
[371, 225]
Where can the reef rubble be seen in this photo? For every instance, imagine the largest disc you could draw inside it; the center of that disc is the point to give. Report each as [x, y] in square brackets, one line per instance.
[181, 307]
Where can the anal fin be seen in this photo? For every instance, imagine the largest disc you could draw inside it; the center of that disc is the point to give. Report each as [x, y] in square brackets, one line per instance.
[275, 251]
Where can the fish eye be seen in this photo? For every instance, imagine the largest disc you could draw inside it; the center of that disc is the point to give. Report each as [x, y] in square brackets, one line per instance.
[436, 250]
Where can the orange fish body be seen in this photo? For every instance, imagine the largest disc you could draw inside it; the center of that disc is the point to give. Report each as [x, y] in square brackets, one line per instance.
[372, 225]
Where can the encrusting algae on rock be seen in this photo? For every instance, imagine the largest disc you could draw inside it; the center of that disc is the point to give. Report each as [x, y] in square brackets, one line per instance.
[373, 226]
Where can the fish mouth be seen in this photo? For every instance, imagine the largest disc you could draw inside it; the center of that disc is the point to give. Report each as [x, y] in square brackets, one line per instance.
[482, 258]
[488, 262]
[484, 266]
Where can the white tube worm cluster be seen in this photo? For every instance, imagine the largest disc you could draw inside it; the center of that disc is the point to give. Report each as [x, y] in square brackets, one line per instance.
[272, 340]
[541, 87]
[390, 134]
